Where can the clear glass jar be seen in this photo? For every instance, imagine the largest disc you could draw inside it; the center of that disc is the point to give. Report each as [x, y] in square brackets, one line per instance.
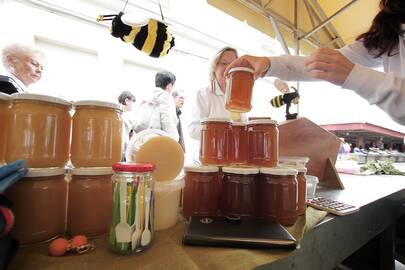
[239, 87]
[132, 224]
[4, 112]
[238, 144]
[302, 188]
[90, 201]
[39, 205]
[214, 141]
[96, 134]
[39, 130]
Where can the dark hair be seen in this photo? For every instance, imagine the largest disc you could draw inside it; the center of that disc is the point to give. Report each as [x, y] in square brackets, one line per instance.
[382, 37]
[163, 78]
[126, 95]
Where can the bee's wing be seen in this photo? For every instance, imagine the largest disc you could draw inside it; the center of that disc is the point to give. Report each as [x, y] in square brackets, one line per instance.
[135, 19]
[282, 86]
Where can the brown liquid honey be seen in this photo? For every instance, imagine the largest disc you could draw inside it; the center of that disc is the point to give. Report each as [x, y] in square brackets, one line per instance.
[263, 144]
[96, 136]
[4, 111]
[239, 90]
[39, 133]
[238, 145]
[302, 193]
[214, 143]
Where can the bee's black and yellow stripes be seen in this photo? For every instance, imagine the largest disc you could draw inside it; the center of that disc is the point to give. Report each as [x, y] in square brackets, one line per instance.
[277, 101]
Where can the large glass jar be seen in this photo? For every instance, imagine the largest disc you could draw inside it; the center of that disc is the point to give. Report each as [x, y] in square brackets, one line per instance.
[39, 130]
[201, 191]
[214, 141]
[238, 144]
[278, 195]
[4, 112]
[90, 201]
[239, 86]
[302, 188]
[39, 205]
[132, 226]
[263, 143]
[239, 191]
[96, 134]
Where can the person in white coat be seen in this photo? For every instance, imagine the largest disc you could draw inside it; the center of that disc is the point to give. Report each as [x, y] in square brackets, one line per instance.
[351, 67]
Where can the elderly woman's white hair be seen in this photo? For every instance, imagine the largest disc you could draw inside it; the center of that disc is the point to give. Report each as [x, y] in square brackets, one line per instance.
[215, 59]
[17, 50]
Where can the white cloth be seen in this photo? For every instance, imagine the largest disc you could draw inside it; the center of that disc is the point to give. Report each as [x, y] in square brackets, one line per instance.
[22, 88]
[209, 103]
[385, 89]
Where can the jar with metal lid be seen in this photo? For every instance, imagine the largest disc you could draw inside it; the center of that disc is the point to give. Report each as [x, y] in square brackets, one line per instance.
[278, 195]
[39, 130]
[4, 112]
[239, 191]
[90, 201]
[39, 201]
[263, 143]
[302, 188]
[239, 87]
[132, 226]
[201, 191]
[214, 141]
[238, 144]
[96, 134]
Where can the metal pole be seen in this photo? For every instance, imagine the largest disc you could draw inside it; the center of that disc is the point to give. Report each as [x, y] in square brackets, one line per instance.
[279, 36]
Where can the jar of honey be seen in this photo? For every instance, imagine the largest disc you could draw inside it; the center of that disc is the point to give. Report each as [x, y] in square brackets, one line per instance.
[39, 130]
[239, 191]
[39, 205]
[201, 191]
[302, 188]
[96, 134]
[278, 190]
[263, 143]
[90, 201]
[214, 141]
[4, 111]
[239, 86]
[238, 144]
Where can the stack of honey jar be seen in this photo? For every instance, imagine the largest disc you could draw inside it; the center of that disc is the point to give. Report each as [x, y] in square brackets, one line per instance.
[46, 131]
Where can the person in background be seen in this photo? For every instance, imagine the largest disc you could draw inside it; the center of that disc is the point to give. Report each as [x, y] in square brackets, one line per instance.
[127, 100]
[24, 66]
[179, 101]
[380, 144]
[210, 101]
[352, 67]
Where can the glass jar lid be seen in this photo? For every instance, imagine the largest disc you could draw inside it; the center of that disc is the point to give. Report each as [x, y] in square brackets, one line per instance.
[4, 96]
[216, 119]
[133, 167]
[299, 168]
[262, 122]
[294, 159]
[245, 69]
[238, 124]
[202, 169]
[97, 103]
[43, 172]
[38, 97]
[92, 171]
[241, 170]
[278, 171]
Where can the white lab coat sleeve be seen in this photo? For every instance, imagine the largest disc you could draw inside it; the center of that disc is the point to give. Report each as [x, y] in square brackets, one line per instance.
[168, 118]
[200, 110]
[358, 54]
[289, 68]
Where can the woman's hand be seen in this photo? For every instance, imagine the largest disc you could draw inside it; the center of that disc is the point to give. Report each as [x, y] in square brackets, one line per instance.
[259, 64]
[330, 65]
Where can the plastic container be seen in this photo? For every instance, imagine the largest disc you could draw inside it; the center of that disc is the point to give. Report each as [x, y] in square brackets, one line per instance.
[312, 183]
[239, 87]
[132, 225]
[38, 130]
[214, 141]
[90, 201]
[154, 146]
[39, 205]
[238, 144]
[4, 112]
[96, 134]
[167, 202]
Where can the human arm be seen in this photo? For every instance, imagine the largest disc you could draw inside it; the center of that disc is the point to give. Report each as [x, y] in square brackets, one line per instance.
[168, 117]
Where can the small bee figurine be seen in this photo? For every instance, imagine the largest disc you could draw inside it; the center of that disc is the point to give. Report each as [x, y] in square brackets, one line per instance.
[287, 98]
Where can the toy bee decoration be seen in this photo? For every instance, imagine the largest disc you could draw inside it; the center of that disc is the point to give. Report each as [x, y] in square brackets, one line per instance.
[286, 99]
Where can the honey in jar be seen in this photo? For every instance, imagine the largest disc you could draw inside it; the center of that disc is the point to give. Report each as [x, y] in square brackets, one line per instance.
[39, 201]
[214, 141]
[38, 130]
[4, 111]
[96, 134]
[90, 201]
[302, 188]
[239, 191]
[238, 144]
[239, 86]
[201, 191]
[278, 190]
[263, 143]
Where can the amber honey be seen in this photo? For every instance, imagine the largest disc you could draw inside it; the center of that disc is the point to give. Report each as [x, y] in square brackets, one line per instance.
[239, 88]
[214, 141]
[238, 144]
[38, 130]
[263, 143]
[302, 188]
[4, 111]
[96, 134]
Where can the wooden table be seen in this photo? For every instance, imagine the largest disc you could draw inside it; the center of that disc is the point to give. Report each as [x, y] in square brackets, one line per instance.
[323, 247]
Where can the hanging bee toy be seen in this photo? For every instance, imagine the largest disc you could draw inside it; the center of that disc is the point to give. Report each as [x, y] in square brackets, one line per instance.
[150, 36]
[287, 98]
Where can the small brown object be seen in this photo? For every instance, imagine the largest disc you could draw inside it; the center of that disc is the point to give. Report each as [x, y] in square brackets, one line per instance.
[58, 247]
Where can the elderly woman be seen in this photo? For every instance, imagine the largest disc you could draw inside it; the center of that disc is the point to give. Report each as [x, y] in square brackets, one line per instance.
[24, 65]
[210, 101]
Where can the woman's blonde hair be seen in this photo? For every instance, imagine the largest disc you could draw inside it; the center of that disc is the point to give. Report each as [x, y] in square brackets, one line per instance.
[215, 60]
